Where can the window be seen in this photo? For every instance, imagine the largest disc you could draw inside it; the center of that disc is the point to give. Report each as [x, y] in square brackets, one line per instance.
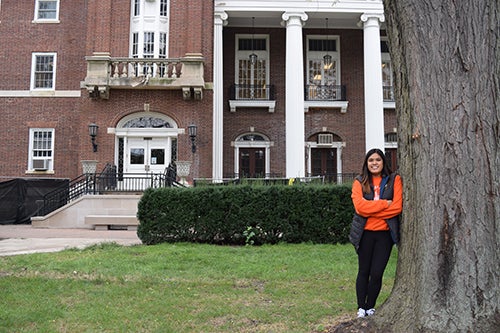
[252, 78]
[135, 45]
[148, 51]
[149, 27]
[43, 71]
[387, 79]
[149, 44]
[137, 7]
[323, 79]
[41, 149]
[162, 53]
[163, 7]
[47, 10]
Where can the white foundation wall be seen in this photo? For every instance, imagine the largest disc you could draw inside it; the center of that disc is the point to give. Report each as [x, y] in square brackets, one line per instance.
[73, 214]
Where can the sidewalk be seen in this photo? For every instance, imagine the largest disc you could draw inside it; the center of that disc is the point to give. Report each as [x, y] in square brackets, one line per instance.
[23, 238]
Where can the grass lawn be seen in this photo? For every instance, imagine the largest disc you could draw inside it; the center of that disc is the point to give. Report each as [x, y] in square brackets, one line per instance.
[181, 288]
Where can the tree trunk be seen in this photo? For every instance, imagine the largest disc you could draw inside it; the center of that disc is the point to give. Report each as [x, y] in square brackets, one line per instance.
[446, 58]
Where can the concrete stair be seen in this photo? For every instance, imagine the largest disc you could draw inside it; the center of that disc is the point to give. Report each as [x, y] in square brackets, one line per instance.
[99, 212]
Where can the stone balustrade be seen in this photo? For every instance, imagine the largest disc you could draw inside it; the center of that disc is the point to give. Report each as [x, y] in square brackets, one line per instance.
[105, 73]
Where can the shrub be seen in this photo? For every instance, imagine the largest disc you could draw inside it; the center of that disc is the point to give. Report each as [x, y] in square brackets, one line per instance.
[238, 215]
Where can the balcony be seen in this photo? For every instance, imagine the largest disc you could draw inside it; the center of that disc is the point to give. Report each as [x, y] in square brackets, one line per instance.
[389, 101]
[105, 73]
[325, 96]
[252, 96]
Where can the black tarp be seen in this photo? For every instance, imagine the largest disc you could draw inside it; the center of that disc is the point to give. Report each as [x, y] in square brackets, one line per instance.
[21, 198]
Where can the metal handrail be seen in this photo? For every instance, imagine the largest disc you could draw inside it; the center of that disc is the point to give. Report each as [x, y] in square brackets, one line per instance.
[107, 181]
[319, 92]
[252, 92]
[337, 178]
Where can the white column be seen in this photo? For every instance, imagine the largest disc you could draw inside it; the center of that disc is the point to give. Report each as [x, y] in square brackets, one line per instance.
[374, 100]
[217, 139]
[294, 101]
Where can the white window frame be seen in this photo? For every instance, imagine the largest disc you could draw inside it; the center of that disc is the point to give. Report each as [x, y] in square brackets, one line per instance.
[31, 156]
[245, 54]
[386, 58]
[34, 57]
[46, 20]
[318, 55]
[148, 20]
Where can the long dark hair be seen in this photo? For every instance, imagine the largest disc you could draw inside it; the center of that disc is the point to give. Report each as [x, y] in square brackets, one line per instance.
[366, 176]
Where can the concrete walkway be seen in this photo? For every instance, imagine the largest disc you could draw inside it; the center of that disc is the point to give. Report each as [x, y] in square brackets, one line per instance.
[23, 238]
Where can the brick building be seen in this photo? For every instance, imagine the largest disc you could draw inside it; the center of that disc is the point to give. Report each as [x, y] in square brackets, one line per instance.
[274, 88]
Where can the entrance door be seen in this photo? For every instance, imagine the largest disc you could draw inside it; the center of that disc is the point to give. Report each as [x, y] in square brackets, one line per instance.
[252, 162]
[146, 155]
[324, 163]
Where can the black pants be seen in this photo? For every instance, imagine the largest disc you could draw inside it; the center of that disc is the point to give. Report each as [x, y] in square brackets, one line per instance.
[373, 254]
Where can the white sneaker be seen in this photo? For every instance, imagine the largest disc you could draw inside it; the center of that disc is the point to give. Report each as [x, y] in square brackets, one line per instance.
[361, 313]
[370, 312]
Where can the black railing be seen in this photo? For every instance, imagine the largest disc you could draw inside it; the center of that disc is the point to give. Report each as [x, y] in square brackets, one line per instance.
[338, 178]
[388, 92]
[108, 181]
[252, 92]
[314, 92]
[61, 196]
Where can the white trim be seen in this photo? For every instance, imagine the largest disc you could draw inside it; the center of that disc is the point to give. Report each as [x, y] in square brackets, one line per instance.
[342, 105]
[52, 20]
[34, 56]
[252, 144]
[339, 145]
[146, 132]
[43, 93]
[389, 105]
[246, 53]
[147, 114]
[317, 55]
[233, 104]
[30, 150]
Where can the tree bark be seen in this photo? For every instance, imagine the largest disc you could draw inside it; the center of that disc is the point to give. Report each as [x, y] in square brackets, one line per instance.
[445, 56]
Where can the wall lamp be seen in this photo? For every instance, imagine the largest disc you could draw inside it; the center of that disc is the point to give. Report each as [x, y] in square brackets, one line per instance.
[192, 129]
[93, 133]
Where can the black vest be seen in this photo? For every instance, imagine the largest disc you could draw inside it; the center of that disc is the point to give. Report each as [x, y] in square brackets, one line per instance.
[359, 222]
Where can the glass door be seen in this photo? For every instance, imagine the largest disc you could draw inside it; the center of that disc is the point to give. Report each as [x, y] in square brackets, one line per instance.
[147, 155]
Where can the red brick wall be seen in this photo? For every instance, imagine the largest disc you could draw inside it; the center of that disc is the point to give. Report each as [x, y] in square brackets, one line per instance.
[95, 26]
[349, 126]
[86, 27]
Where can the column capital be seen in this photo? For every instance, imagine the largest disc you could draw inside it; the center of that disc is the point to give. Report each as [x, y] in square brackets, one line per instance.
[289, 17]
[220, 18]
[368, 18]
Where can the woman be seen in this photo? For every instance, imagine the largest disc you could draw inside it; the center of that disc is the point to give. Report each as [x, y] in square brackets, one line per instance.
[377, 195]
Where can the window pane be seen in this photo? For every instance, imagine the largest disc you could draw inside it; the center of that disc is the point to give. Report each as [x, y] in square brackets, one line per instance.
[245, 44]
[173, 151]
[157, 156]
[135, 45]
[137, 7]
[42, 144]
[137, 156]
[163, 7]
[44, 71]
[323, 45]
[149, 43]
[47, 9]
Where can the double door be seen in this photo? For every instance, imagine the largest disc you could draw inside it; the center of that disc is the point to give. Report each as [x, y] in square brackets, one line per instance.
[146, 155]
[252, 162]
[324, 163]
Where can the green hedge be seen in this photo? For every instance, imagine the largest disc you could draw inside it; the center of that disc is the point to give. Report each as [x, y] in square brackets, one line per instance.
[237, 215]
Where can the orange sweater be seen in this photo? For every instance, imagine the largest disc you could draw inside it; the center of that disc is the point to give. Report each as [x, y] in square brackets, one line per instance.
[377, 211]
